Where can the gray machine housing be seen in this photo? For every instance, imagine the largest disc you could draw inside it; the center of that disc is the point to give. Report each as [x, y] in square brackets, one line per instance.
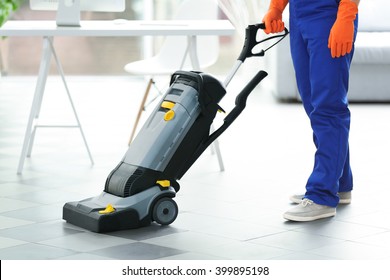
[136, 188]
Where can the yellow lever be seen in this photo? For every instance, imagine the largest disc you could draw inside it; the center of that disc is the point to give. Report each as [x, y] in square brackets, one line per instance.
[167, 104]
[164, 183]
[109, 209]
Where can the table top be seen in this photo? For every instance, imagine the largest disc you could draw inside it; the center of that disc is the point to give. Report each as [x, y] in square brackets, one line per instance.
[114, 28]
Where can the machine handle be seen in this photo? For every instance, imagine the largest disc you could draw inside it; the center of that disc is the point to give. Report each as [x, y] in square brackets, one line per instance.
[243, 96]
[251, 41]
[240, 106]
[236, 111]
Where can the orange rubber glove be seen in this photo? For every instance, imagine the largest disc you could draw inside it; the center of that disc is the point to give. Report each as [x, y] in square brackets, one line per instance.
[273, 18]
[341, 35]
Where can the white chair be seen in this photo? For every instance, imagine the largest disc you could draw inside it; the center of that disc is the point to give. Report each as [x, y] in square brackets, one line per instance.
[174, 53]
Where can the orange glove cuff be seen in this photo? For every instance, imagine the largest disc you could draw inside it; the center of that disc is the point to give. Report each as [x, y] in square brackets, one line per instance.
[347, 10]
[342, 33]
[278, 4]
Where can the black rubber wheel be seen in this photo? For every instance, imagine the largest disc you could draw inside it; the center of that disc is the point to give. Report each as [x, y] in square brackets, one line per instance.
[165, 211]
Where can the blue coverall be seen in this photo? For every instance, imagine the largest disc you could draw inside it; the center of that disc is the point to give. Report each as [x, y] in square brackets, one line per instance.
[323, 85]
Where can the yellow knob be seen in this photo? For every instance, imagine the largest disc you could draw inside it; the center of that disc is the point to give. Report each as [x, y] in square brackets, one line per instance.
[169, 115]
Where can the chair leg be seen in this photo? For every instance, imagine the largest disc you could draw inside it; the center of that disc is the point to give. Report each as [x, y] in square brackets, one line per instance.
[215, 147]
[141, 108]
[160, 93]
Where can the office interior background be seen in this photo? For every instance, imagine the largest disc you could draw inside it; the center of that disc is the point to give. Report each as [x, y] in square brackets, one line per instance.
[231, 214]
[96, 55]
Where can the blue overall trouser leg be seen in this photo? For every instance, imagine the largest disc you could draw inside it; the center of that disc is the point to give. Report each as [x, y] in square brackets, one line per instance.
[323, 84]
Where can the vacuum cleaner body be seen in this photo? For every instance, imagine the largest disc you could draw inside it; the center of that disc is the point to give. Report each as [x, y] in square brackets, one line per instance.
[141, 188]
[146, 178]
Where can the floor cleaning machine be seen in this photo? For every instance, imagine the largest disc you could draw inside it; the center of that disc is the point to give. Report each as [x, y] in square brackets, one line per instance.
[141, 188]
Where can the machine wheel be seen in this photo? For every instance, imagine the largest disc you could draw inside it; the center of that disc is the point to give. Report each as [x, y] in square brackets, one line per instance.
[165, 211]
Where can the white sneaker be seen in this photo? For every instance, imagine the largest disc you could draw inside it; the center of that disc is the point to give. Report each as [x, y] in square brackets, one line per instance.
[345, 198]
[307, 211]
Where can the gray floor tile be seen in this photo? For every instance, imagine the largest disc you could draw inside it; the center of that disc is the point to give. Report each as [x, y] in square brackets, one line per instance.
[239, 230]
[295, 241]
[245, 251]
[9, 204]
[189, 241]
[6, 222]
[42, 213]
[348, 250]
[85, 256]
[137, 251]
[33, 251]
[303, 256]
[378, 219]
[339, 230]
[144, 233]
[48, 196]
[8, 189]
[10, 242]
[192, 256]
[38, 231]
[194, 221]
[85, 242]
[381, 240]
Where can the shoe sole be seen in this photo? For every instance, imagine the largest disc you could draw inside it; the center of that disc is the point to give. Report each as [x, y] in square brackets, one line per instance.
[345, 201]
[307, 219]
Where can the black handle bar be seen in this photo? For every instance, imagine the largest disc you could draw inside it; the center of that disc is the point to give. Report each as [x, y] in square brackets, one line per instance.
[240, 106]
[251, 41]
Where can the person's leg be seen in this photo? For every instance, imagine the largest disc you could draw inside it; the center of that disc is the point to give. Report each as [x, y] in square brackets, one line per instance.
[346, 180]
[300, 58]
[330, 121]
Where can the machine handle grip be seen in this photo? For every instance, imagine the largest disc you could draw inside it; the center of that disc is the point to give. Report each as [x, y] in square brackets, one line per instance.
[251, 41]
[261, 25]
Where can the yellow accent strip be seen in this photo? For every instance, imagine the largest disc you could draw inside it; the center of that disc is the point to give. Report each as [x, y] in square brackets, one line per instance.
[167, 104]
[164, 183]
[109, 209]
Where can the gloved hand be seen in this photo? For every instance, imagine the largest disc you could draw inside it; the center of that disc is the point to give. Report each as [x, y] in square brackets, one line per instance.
[273, 18]
[341, 35]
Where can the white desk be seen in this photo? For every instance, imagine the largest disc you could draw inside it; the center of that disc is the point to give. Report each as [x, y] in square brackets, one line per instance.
[48, 30]
[110, 28]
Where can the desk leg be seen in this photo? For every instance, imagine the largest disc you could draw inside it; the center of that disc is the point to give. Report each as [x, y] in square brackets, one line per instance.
[61, 71]
[37, 100]
[48, 51]
[192, 45]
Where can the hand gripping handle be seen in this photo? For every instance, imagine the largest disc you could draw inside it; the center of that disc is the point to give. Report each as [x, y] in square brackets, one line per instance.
[251, 41]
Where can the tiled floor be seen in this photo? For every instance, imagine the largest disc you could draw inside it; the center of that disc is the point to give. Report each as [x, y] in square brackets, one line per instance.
[235, 214]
